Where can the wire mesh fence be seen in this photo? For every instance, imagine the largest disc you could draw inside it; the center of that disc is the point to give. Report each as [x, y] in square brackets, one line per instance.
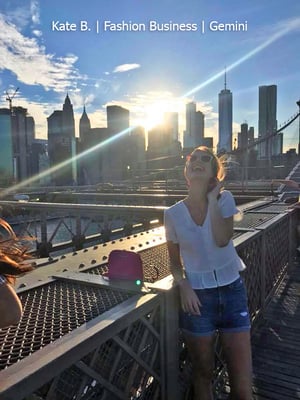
[81, 341]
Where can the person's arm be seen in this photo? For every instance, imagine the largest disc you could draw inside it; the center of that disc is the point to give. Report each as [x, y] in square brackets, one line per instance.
[222, 228]
[10, 305]
[287, 182]
[175, 262]
[189, 300]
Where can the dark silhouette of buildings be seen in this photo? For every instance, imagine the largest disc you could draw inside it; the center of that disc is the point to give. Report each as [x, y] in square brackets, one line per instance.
[16, 137]
[62, 145]
[194, 131]
[267, 120]
[6, 148]
[116, 151]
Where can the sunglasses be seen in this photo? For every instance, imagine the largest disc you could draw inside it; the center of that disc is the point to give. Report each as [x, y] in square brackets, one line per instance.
[206, 158]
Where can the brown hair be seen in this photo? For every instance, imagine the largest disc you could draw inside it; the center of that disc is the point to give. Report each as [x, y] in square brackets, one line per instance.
[217, 163]
[12, 253]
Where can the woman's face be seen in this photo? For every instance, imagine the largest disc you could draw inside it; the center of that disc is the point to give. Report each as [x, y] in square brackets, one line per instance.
[199, 166]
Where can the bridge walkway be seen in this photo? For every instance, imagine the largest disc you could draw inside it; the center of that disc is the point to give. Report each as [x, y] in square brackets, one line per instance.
[276, 344]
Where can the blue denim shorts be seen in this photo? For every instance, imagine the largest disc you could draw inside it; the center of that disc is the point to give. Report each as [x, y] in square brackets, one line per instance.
[224, 308]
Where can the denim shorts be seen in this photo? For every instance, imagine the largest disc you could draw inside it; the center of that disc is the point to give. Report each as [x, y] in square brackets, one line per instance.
[224, 308]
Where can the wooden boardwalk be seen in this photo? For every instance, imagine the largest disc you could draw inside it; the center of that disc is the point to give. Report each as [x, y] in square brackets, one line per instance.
[276, 344]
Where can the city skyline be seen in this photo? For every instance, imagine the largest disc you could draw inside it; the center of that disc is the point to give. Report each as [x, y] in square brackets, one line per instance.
[149, 72]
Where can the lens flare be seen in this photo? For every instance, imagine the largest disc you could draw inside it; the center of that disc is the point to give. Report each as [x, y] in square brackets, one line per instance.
[292, 26]
[57, 167]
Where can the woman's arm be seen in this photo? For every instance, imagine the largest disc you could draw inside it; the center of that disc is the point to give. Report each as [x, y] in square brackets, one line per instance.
[222, 228]
[175, 262]
[190, 302]
[10, 306]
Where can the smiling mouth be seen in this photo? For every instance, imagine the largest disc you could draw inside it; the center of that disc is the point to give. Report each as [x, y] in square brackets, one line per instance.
[198, 168]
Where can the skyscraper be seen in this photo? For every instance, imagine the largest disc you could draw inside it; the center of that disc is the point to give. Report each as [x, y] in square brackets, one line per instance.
[199, 132]
[84, 126]
[225, 119]
[117, 153]
[6, 147]
[23, 132]
[194, 133]
[62, 144]
[243, 136]
[190, 121]
[83, 144]
[267, 120]
[138, 144]
[171, 125]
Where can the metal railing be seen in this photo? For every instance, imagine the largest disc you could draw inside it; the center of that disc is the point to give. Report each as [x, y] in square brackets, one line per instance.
[77, 224]
[83, 338]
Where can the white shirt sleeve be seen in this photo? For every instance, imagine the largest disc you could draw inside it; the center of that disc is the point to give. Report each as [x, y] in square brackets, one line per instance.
[169, 228]
[227, 204]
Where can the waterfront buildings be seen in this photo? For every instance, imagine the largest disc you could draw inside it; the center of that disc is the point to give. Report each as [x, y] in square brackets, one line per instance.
[117, 151]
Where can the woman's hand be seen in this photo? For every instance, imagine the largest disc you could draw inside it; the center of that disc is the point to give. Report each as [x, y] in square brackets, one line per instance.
[215, 191]
[190, 302]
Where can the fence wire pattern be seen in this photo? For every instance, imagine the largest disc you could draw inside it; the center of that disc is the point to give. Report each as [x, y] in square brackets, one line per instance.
[127, 366]
[127, 361]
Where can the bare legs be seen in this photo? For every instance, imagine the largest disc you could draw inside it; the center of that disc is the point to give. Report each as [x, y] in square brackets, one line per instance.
[201, 352]
[237, 351]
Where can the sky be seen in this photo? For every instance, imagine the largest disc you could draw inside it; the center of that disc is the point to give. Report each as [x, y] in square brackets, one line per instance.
[51, 48]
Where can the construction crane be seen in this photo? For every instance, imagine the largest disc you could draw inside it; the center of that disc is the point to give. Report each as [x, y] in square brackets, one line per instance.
[9, 98]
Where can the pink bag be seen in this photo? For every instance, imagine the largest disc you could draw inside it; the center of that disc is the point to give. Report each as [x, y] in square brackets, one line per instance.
[127, 265]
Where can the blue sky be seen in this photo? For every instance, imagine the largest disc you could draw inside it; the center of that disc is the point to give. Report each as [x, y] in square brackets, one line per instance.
[150, 72]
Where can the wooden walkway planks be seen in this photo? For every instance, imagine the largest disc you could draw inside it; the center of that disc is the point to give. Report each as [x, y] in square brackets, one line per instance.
[276, 344]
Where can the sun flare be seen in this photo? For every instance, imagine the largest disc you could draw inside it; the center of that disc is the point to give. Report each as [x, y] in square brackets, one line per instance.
[155, 112]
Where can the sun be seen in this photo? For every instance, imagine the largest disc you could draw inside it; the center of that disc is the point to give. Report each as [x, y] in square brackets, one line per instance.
[154, 113]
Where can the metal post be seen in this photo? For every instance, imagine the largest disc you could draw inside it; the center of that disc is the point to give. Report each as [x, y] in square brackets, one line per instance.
[246, 167]
[298, 104]
[263, 290]
[171, 388]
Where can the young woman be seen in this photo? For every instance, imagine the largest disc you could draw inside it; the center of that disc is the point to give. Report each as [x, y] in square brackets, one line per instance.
[12, 255]
[206, 266]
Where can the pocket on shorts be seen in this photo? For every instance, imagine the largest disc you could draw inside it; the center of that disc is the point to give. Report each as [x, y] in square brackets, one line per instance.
[237, 285]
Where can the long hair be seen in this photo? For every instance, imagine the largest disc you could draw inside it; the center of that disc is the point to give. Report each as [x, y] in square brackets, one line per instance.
[13, 252]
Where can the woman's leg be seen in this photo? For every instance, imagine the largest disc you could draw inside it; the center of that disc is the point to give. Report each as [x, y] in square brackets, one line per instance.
[201, 352]
[237, 352]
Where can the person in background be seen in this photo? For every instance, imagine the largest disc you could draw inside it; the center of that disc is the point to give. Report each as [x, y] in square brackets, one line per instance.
[13, 253]
[205, 266]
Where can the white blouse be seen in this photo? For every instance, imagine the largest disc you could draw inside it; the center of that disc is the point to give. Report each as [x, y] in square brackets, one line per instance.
[206, 265]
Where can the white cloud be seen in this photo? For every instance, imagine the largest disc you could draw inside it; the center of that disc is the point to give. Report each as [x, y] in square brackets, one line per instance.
[28, 60]
[126, 67]
[35, 11]
[37, 33]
